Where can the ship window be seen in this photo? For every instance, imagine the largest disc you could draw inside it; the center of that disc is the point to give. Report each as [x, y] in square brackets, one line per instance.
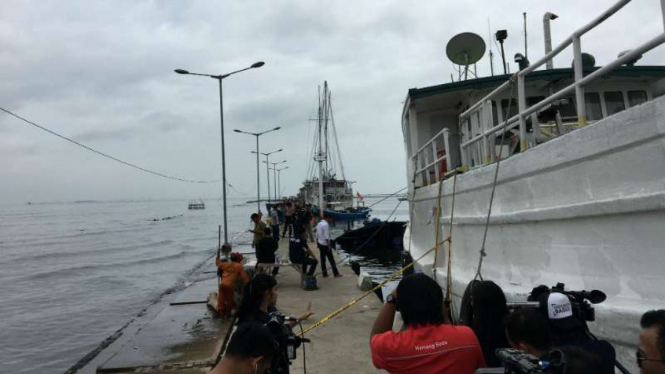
[636, 97]
[567, 108]
[614, 102]
[532, 100]
[593, 109]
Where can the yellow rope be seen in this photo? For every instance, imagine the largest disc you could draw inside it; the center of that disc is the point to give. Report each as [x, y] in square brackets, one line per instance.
[356, 300]
[449, 275]
[438, 227]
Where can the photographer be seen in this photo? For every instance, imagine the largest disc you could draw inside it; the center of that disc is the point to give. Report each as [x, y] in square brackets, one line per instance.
[568, 330]
[427, 344]
[528, 330]
[260, 299]
[250, 350]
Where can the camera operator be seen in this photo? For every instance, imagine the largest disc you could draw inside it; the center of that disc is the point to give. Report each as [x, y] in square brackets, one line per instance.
[528, 330]
[651, 348]
[427, 344]
[568, 330]
[250, 350]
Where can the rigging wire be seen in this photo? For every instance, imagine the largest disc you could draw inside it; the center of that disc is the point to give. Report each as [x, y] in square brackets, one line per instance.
[140, 168]
[388, 197]
[339, 153]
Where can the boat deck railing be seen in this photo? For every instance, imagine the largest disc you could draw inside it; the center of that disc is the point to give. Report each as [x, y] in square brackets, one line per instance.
[479, 150]
[432, 159]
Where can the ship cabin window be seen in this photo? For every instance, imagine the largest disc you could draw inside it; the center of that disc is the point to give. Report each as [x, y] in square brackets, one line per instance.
[636, 98]
[594, 111]
[567, 109]
[614, 102]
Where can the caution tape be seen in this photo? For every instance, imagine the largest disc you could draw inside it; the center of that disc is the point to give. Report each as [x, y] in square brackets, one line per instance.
[396, 274]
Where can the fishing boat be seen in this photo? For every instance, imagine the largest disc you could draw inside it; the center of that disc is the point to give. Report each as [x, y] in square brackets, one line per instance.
[323, 189]
[196, 205]
[544, 176]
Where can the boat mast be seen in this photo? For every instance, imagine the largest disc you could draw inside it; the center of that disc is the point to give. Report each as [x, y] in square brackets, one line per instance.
[320, 155]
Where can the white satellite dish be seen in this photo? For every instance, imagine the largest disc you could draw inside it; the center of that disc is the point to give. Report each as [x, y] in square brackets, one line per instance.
[465, 49]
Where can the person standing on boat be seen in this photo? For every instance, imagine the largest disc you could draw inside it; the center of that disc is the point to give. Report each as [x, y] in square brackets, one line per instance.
[259, 229]
[274, 221]
[427, 344]
[325, 245]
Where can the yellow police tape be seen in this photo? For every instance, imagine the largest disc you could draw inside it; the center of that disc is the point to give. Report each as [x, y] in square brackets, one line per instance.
[355, 301]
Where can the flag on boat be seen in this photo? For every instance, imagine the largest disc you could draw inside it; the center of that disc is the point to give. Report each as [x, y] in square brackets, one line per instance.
[360, 197]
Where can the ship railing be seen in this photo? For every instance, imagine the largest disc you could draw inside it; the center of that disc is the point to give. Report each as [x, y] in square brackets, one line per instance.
[431, 162]
[478, 119]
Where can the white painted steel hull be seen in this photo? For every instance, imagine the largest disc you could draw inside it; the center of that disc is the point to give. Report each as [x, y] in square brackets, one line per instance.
[586, 209]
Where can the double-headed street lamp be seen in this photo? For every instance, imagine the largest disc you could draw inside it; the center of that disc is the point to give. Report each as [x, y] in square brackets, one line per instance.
[258, 180]
[221, 118]
[274, 173]
[267, 171]
[279, 178]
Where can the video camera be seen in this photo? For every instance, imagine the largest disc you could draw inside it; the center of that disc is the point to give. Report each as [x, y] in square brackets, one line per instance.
[580, 300]
[287, 342]
[519, 362]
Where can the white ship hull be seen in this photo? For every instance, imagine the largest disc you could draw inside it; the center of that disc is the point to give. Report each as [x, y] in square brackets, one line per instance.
[586, 209]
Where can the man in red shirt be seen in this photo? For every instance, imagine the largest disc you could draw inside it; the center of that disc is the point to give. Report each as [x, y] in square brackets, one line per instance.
[427, 344]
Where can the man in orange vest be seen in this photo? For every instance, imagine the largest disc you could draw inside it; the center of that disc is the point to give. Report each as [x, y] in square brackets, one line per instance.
[230, 271]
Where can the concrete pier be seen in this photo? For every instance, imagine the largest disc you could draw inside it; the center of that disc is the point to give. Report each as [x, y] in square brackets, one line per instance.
[188, 338]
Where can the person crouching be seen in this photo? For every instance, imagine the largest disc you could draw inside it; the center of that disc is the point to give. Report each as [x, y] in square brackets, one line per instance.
[229, 272]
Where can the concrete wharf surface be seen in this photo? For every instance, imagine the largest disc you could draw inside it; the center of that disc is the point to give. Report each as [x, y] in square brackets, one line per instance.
[187, 339]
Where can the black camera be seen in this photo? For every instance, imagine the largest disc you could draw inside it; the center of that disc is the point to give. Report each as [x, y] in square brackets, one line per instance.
[519, 362]
[580, 300]
[287, 342]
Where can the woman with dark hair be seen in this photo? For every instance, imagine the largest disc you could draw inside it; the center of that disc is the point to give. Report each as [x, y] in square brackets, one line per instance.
[250, 350]
[260, 299]
[489, 310]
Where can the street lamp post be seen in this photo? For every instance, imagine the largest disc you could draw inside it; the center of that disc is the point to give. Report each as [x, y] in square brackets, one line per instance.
[258, 179]
[274, 173]
[221, 119]
[279, 178]
[267, 167]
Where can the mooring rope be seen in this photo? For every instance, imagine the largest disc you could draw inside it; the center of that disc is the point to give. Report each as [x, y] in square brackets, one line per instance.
[483, 253]
[396, 274]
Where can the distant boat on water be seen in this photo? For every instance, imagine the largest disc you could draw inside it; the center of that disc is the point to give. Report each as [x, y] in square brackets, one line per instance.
[196, 205]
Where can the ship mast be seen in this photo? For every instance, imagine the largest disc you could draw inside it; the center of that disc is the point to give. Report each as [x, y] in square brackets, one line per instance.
[321, 156]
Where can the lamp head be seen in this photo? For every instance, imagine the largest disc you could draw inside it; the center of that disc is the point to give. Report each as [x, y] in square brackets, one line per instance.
[277, 128]
[236, 130]
[257, 64]
[181, 71]
[279, 150]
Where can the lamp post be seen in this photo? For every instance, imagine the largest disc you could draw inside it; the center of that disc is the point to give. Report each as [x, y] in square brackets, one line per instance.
[274, 173]
[279, 178]
[267, 168]
[258, 179]
[221, 119]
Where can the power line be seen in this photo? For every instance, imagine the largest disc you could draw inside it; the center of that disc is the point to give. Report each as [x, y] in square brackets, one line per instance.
[105, 154]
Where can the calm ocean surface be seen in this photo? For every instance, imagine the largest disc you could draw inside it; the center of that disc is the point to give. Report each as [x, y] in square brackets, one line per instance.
[72, 274]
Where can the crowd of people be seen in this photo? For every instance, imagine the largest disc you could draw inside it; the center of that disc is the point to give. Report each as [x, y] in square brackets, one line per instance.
[429, 343]
[548, 329]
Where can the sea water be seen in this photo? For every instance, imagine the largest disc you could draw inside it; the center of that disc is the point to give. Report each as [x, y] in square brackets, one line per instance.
[71, 274]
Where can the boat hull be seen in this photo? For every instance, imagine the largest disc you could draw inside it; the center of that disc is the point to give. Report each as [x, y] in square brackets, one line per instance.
[586, 209]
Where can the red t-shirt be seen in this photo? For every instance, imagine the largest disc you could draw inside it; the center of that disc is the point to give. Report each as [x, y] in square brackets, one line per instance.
[428, 349]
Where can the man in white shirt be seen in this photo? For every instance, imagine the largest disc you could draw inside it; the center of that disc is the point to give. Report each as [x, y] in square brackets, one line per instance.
[325, 247]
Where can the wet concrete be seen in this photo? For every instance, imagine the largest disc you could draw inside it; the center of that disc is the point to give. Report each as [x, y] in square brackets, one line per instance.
[188, 338]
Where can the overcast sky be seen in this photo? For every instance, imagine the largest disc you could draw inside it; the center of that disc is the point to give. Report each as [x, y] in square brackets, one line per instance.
[102, 73]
